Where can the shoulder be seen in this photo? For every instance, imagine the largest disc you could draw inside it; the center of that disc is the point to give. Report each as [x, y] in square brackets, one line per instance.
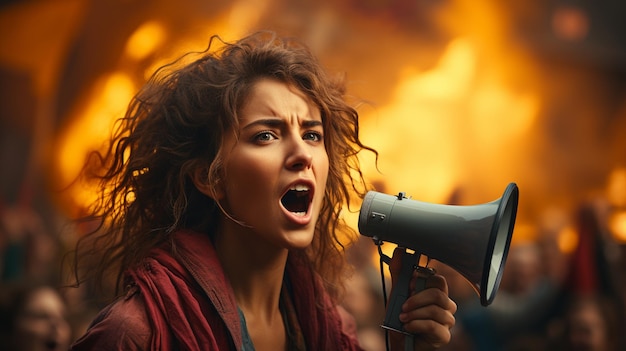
[122, 325]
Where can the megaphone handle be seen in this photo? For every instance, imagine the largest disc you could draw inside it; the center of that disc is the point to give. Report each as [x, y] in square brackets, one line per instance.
[399, 293]
[420, 284]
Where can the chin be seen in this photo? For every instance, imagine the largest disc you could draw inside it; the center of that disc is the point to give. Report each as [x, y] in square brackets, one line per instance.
[299, 241]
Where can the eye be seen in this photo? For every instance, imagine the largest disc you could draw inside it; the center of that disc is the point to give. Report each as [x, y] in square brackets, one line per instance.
[264, 136]
[313, 136]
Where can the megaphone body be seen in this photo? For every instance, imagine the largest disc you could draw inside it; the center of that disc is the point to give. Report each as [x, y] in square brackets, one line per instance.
[473, 240]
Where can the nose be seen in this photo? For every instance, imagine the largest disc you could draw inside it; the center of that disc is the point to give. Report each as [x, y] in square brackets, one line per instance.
[299, 156]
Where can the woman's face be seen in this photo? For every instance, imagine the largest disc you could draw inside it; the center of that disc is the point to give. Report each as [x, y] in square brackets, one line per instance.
[275, 172]
[42, 324]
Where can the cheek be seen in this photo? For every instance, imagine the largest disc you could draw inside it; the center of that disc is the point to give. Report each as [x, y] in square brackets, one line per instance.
[322, 169]
[249, 178]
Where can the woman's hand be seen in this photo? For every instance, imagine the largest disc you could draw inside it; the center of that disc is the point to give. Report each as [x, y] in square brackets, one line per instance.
[427, 314]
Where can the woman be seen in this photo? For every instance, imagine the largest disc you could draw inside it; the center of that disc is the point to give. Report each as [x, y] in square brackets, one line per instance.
[221, 198]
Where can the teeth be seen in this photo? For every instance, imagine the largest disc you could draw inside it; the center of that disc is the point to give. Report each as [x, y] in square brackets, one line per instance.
[300, 187]
[299, 214]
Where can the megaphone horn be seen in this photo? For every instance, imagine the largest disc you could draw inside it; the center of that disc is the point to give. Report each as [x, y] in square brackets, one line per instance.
[473, 240]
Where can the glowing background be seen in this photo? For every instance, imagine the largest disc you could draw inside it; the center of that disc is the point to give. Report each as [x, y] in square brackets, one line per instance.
[461, 97]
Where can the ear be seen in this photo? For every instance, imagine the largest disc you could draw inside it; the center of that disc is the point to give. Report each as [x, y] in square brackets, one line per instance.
[201, 182]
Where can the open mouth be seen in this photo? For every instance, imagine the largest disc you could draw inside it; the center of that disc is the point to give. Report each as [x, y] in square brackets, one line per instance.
[296, 200]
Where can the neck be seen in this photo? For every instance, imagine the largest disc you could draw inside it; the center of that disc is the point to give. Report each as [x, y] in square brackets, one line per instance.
[255, 269]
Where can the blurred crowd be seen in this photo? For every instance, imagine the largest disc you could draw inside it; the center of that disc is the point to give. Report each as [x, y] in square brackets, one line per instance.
[548, 299]
[39, 309]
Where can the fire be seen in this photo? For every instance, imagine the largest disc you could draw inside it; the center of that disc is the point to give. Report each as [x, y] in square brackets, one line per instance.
[145, 40]
[91, 125]
[617, 224]
[460, 127]
[107, 102]
[616, 192]
[567, 240]
[446, 123]
[616, 195]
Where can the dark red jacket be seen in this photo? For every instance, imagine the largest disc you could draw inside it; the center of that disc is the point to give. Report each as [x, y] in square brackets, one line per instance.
[186, 303]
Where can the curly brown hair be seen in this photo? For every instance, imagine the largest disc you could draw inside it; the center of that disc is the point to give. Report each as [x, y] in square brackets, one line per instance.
[175, 126]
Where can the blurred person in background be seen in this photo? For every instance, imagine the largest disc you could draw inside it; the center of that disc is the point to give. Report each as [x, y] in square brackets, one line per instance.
[28, 249]
[33, 318]
[590, 322]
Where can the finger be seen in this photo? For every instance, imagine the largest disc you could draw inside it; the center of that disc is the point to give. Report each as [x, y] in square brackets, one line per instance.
[430, 333]
[437, 314]
[429, 297]
[439, 283]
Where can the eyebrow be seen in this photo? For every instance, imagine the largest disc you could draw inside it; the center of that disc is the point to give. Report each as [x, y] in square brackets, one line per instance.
[276, 122]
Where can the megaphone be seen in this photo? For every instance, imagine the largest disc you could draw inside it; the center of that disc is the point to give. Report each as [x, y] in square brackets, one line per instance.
[473, 240]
